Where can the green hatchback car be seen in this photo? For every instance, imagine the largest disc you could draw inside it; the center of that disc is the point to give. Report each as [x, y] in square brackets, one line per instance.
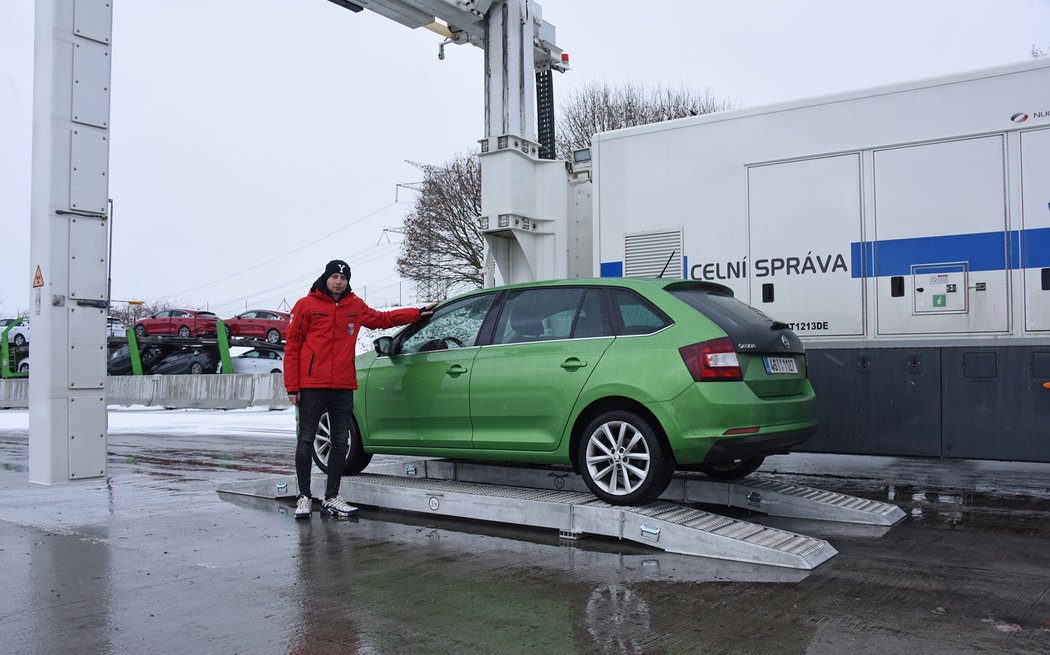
[625, 379]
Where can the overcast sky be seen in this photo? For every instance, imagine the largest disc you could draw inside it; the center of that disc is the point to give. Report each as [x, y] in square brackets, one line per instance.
[254, 140]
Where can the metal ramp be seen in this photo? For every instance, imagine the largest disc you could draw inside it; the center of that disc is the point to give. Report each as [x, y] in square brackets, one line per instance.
[756, 494]
[664, 525]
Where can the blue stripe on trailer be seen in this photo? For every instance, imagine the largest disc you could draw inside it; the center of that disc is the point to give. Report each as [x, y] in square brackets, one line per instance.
[984, 251]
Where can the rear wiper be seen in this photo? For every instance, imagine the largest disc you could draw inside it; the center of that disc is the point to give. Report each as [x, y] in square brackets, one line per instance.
[777, 325]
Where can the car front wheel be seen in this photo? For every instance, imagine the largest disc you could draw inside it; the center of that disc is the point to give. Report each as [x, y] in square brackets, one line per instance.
[20, 340]
[623, 459]
[196, 368]
[273, 336]
[356, 457]
[732, 470]
[140, 330]
[184, 331]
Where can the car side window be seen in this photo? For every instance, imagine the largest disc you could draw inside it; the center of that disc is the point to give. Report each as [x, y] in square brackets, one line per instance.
[247, 315]
[591, 321]
[538, 315]
[162, 315]
[453, 326]
[637, 315]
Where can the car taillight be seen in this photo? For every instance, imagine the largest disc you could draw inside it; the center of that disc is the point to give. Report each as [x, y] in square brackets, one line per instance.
[713, 360]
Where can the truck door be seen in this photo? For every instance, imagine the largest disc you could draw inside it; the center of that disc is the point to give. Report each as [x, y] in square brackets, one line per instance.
[805, 259]
[1035, 237]
[940, 250]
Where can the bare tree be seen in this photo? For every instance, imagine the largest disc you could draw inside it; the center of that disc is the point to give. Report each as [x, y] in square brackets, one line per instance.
[128, 313]
[1037, 52]
[443, 248]
[601, 107]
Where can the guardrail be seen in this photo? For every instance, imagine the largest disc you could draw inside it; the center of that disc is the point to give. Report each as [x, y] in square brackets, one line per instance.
[233, 391]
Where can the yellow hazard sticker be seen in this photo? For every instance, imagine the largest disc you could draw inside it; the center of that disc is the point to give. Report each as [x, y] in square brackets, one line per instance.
[38, 279]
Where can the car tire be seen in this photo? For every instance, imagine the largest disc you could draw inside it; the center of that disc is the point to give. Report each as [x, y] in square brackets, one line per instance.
[184, 332]
[732, 470]
[20, 340]
[356, 457]
[196, 368]
[276, 370]
[23, 367]
[619, 446]
[140, 330]
[273, 336]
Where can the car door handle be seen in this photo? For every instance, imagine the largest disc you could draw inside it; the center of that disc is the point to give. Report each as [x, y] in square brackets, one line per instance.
[455, 370]
[573, 363]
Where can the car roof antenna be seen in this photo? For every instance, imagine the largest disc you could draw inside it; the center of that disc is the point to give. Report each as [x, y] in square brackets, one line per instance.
[668, 263]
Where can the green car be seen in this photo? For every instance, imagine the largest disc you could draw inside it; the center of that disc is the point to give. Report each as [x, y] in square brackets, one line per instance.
[626, 379]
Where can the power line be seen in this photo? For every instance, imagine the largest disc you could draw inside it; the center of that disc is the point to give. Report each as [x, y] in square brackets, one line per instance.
[287, 252]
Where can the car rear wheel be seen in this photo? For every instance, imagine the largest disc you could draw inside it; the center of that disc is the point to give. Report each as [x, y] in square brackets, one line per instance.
[20, 340]
[273, 336]
[623, 459]
[23, 367]
[184, 331]
[732, 470]
[140, 330]
[196, 368]
[356, 457]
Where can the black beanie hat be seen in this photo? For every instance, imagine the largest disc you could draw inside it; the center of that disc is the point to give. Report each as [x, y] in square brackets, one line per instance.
[334, 266]
[337, 266]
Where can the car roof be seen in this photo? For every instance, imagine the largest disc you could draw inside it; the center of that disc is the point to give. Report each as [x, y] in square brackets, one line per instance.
[636, 283]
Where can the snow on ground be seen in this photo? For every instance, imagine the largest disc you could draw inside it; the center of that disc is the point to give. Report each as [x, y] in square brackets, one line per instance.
[152, 420]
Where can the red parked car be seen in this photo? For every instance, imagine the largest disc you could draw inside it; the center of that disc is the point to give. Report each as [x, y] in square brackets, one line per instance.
[260, 324]
[181, 322]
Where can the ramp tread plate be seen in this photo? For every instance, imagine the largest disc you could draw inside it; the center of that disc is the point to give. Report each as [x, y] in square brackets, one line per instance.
[495, 491]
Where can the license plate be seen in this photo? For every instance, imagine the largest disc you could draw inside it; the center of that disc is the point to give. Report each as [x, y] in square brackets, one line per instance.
[780, 365]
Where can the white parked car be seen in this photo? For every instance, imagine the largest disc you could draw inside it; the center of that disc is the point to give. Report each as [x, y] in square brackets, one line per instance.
[114, 328]
[19, 335]
[259, 360]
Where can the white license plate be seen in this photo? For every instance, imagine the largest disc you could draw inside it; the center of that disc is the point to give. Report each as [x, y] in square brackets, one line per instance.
[779, 365]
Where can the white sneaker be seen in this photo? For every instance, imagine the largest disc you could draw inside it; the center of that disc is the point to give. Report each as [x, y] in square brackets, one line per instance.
[337, 507]
[304, 507]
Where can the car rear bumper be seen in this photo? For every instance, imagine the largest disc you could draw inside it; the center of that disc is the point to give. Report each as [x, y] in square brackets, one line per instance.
[696, 422]
[757, 445]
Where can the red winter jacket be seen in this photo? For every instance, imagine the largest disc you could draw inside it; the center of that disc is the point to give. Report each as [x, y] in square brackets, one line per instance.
[322, 339]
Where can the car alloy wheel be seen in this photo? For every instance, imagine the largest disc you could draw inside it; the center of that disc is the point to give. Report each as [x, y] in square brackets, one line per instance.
[356, 457]
[273, 336]
[184, 331]
[623, 459]
[140, 330]
[20, 340]
[23, 368]
[196, 368]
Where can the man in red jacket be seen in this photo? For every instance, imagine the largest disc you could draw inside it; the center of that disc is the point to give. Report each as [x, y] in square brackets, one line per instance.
[320, 377]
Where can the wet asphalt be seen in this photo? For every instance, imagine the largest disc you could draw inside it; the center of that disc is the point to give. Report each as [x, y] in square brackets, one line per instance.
[154, 560]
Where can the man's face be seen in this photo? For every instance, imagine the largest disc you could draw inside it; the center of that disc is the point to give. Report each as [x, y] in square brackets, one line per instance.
[337, 283]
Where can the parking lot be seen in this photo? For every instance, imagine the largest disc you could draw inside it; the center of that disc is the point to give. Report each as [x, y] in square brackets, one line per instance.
[153, 559]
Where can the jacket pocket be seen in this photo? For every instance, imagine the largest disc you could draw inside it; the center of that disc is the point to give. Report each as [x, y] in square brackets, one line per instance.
[310, 369]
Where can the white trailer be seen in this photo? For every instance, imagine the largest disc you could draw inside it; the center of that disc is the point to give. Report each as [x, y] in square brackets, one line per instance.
[903, 232]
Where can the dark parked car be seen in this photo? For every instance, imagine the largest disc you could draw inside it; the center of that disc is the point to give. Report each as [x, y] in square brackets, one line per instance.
[188, 361]
[119, 360]
[181, 322]
[259, 324]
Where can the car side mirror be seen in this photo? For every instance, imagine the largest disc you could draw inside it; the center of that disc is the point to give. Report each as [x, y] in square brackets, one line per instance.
[384, 346]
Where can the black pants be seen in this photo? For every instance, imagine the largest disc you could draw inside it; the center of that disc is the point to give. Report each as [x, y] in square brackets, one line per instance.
[339, 403]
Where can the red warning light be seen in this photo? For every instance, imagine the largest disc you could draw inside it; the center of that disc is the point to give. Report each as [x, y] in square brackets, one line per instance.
[564, 57]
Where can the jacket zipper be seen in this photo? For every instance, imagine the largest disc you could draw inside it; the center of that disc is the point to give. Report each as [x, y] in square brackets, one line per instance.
[310, 370]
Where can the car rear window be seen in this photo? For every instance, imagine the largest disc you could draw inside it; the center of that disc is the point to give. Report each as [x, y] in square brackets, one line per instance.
[726, 311]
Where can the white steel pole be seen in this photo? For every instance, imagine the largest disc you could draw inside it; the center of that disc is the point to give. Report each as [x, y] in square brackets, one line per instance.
[68, 234]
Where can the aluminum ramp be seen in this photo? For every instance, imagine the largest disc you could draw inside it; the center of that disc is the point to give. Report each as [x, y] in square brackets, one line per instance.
[664, 525]
[754, 493]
